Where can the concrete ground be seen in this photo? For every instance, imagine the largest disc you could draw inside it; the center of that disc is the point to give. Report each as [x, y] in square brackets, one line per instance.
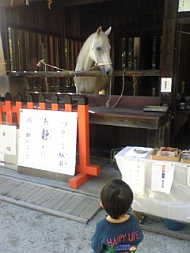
[25, 230]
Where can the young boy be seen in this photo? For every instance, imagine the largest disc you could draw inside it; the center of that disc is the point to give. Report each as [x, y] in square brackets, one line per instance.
[119, 231]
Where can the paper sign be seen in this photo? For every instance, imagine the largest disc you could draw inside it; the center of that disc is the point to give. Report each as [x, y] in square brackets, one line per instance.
[184, 5]
[8, 139]
[2, 157]
[162, 177]
[47, 140]
[134, 176]
[166, 85]
[188, 176]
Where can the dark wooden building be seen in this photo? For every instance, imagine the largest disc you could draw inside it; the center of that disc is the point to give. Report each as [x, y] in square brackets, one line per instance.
[150, 39]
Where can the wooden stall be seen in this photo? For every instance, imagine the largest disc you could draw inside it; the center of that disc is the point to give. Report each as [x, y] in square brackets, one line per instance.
[149, 41]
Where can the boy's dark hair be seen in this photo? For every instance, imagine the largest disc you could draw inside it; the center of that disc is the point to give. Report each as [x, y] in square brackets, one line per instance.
[116, 197]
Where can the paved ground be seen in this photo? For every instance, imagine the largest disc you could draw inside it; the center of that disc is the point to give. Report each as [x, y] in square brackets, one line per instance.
[58, 202]
[24, 230]
[29, 231]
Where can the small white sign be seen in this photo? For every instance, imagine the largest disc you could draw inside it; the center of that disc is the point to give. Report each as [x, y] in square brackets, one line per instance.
[184, 5]
[162, 177]
[2, 157]
[166, 84]
[134, 176]
[188, 176]
[8, 139]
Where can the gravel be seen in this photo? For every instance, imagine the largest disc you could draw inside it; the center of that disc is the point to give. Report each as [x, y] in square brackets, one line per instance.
[28, 231]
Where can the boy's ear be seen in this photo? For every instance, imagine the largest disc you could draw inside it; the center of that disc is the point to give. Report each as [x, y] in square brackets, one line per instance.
[101, 204]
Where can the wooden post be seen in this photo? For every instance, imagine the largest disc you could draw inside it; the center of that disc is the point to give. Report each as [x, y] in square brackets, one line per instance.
[168, 47]
[42, 104]
[17, 107]
[2, 59]
[68, 103]
[8, 108]
[30, 102]
[54, 103]
[84, 168]
[1, 116]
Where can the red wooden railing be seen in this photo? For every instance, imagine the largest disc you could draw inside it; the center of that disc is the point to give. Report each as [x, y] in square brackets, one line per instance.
[10, 114]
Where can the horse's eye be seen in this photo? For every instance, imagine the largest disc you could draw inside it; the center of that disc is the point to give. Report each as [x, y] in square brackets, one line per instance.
[98, 48]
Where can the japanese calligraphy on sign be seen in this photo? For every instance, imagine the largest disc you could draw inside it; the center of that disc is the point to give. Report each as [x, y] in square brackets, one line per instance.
[134, 175]
[162, 177]
[47, 140]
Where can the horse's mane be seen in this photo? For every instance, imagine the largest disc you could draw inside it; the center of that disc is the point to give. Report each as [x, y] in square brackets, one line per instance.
[82, 58]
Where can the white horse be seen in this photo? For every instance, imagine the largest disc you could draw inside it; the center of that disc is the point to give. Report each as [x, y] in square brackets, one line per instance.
[95, 53]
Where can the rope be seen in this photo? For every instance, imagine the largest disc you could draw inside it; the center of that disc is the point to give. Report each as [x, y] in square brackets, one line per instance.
[135, 86]
[59, 69]
[46, 82]
[82, 71]
[123, 87]
[184, 32]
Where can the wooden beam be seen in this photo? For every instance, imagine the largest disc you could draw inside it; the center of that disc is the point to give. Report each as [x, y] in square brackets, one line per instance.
[183, 20]
[13, 3]
[66, 73]
[65, 3]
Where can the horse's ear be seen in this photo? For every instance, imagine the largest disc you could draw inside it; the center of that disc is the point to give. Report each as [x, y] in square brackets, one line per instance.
[99, 30]
[108, 31]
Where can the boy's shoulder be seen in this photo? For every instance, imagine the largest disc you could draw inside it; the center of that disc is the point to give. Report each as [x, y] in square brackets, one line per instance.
[104, 221]
[133, 217]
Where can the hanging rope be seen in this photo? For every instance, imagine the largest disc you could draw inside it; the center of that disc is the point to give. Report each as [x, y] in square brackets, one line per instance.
[184, 32]
[49, 3]
[82, 71]
[59, 69]
[122, 90]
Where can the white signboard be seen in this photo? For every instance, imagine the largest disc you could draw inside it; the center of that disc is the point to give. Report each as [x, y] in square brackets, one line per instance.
[134, 176]
[184, 5]
[166, 84]
[188, 176]
[8, 139]
[162, 177]
[47, 140]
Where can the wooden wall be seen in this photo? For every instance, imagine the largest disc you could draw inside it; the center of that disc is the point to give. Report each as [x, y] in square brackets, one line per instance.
[145, 35]
[129, 20]
[33, 33]
[36, 32]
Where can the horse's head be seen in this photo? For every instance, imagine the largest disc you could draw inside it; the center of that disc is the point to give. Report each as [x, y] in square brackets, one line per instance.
[100, 51]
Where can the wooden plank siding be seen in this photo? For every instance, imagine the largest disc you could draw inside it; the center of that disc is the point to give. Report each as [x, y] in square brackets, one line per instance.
[145, 36]
[57, 35]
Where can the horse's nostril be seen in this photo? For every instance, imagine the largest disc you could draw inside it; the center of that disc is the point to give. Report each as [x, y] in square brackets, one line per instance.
[106, 71]
[109, 72]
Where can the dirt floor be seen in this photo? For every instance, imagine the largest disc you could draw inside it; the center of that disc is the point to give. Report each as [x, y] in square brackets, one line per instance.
[25, 230]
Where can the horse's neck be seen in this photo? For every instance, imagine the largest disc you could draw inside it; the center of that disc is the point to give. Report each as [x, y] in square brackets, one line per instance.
[84, 61]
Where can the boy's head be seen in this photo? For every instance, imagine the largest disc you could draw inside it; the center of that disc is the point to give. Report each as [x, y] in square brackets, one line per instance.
[116, 198]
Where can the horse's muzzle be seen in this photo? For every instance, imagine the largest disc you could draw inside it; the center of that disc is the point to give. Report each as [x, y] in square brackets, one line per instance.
[107, 70]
